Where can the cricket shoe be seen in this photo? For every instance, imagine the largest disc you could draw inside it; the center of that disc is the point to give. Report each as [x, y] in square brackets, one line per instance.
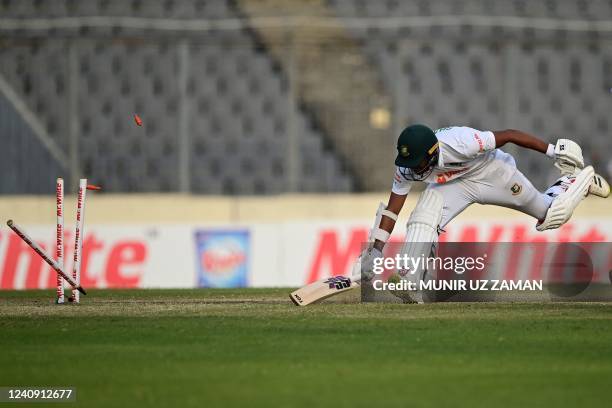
[599, 187]
[567, 193]
[406, 296]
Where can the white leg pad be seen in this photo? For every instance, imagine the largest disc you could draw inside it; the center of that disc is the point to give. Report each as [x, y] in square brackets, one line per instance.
[422, 233]
[563, 206]
[424, 220]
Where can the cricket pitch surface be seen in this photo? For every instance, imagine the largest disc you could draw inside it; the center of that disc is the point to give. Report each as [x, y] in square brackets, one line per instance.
[253, 347]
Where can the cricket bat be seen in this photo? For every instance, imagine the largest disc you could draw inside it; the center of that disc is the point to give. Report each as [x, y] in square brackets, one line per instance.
[322, 289]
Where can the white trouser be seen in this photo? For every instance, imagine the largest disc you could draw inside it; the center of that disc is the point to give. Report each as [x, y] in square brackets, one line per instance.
[498, 182]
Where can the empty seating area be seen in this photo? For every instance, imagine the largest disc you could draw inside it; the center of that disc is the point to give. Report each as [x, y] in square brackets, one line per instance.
[123, 8]
[242, 123]
[237, 108]
[554, 83]
[569, 9]
[39, 73]
[222, 94]
[23, 154]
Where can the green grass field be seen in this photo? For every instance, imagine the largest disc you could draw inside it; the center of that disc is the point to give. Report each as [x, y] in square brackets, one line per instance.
[203, 348]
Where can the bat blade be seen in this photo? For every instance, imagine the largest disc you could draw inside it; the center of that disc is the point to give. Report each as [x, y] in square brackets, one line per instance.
[321, 289]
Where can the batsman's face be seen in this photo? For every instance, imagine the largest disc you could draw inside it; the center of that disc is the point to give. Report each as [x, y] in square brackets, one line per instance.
[426, 166]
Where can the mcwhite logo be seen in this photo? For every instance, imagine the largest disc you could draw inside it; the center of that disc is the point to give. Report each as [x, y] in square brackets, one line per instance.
[115, 263]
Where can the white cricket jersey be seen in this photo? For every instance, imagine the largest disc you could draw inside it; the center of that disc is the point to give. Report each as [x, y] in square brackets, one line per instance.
[463, 151]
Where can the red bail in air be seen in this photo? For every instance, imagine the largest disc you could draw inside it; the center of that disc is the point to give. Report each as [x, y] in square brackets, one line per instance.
[137, 120]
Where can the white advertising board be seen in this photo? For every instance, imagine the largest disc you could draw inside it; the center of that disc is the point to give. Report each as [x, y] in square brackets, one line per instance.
[255, 255]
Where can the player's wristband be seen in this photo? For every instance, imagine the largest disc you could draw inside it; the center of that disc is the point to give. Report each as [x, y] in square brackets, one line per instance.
[550, 152]
[381, 235]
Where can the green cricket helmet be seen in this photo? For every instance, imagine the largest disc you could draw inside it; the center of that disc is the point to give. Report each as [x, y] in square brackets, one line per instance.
[417, 152]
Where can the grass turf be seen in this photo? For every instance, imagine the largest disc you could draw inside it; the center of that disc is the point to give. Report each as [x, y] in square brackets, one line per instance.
[254, 348]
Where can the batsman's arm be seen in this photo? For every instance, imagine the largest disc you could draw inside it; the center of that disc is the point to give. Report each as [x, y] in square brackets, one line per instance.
[395, 204]
[520, 139]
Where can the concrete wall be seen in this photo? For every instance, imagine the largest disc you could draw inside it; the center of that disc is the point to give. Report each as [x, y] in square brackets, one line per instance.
[176, 208]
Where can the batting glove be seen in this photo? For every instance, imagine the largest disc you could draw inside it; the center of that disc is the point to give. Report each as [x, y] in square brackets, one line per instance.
[367, 262]
[568, 156]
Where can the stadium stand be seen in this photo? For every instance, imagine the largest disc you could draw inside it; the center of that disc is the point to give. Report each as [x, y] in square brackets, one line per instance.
[226, 104]
[23, 153]
[237, 97]
[335, 81]
[554, 83]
